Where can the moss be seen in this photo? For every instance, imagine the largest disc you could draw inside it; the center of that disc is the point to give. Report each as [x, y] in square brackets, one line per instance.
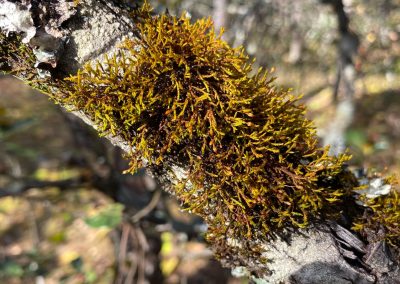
[182, 96]
[15, 57]
[18, 59]
[382, 213]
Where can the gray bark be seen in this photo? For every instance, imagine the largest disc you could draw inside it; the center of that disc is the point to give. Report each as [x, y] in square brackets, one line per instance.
[296, 44]
[325, 253]
[219, 14]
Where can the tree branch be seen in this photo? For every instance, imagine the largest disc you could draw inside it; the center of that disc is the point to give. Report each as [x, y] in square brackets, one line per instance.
[64, 35]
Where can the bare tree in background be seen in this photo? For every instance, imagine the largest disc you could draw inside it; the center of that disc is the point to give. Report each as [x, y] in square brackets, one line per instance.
[296, 44]
[219, 13]
[348, 46]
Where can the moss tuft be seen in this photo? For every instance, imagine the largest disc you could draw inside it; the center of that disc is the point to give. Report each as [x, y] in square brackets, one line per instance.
[383, 212]
[15, 57]
[18, 59]
[182, 96]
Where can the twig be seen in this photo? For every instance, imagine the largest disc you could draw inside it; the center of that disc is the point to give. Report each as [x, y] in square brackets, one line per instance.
[122, 252]
[132, 270]
[26, 184]
[149, 207]
[144, 247]
[35, 228]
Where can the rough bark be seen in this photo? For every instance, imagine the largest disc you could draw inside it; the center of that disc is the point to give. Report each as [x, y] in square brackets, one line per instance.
[65, 36]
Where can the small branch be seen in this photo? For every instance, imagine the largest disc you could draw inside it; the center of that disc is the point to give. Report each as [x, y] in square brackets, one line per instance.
[149, 207]
[22, 185]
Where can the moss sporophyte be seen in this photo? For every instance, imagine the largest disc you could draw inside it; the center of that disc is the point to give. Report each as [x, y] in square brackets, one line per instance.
[183, 97]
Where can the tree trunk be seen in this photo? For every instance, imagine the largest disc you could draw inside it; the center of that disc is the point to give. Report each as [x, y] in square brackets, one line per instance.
[345, 80]
[219, 14]
[65, 35]
[296, 44]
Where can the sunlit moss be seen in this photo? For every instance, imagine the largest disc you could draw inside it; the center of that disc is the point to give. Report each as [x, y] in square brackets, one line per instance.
[182, 96]
[15, 57]
[18, 59]
[382, 213]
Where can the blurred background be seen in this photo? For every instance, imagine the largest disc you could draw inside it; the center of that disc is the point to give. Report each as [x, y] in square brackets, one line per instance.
[68, 215]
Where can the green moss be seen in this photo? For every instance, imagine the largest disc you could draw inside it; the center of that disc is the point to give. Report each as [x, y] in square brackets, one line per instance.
[183, 97]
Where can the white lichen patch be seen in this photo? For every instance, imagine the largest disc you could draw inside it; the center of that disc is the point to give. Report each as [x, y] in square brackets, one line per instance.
[16, 18]
[376, 187]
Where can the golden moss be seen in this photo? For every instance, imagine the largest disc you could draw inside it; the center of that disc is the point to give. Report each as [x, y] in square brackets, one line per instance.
[18, 59]
[383, 213]
[183, 97]
[15, 57]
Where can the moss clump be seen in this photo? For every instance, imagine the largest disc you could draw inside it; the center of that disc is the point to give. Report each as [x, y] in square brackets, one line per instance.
[18, 59]
[15, 57]
[383, 212]
[183, 97]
